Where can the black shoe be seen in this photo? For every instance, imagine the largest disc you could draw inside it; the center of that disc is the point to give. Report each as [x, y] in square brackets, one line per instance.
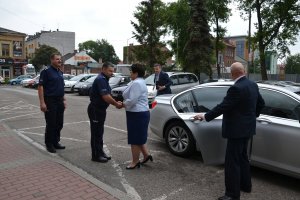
[100, 159]
[149, 157]
[106, 156]
[50, 148]
[247, 190]
[138, 165]
[225, 197]
[59, 146]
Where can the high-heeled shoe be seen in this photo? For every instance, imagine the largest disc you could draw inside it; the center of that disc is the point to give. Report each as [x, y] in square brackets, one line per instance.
[138, 165]
[149, 157]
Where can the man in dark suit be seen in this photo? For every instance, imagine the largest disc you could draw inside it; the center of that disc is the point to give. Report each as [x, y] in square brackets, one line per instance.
[240, 107]
[162, 81]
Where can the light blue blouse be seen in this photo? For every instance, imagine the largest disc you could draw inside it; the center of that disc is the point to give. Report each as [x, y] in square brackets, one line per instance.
[136, 96]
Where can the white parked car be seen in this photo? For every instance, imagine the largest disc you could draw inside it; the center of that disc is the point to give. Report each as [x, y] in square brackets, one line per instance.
[69, 85]
[1, 80]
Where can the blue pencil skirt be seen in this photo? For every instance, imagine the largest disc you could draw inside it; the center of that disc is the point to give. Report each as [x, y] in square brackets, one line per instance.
[137, 127]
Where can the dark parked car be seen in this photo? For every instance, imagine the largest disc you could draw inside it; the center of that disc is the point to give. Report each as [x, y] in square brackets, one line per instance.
[117, 92]
[84, 88]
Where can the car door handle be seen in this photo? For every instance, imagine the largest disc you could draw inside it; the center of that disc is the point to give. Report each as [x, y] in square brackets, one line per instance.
[192, 119]
[263, 121]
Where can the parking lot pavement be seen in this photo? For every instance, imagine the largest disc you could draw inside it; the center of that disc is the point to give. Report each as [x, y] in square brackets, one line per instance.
[27, 172]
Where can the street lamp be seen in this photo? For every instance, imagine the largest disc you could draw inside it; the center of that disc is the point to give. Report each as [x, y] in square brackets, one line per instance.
[127, 56]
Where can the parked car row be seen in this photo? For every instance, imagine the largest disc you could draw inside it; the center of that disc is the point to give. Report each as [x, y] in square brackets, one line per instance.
[180, 82]
[19, 79]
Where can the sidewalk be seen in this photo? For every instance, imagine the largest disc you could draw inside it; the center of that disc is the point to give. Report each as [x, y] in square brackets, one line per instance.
[28, 173]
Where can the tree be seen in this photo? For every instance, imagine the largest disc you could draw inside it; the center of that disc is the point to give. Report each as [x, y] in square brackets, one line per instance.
[278, 24]
[292, 65]
[198, 49]
[100, 49]
[218, 13]
[42, 56]
[177, 16]
[148, 31]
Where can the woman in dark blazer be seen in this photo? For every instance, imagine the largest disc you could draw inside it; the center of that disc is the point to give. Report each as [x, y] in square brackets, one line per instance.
[137, 116]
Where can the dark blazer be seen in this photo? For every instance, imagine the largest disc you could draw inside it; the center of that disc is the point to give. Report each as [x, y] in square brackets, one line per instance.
[163, 80]
[240, 107]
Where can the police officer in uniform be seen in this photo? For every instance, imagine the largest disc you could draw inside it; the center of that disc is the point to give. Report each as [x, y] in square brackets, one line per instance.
[100, 97]
[52, 102]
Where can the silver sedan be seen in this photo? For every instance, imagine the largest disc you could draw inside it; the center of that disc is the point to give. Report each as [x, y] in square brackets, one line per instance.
[275, 145]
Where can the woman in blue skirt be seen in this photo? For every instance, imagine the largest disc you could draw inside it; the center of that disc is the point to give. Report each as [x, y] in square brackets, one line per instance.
[137, 116]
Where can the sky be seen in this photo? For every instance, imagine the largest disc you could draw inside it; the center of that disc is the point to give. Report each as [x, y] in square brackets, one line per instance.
[89, 19]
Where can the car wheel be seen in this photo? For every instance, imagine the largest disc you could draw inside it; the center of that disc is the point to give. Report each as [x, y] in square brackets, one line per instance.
[13, 83]
[179, 139]
[72, 89]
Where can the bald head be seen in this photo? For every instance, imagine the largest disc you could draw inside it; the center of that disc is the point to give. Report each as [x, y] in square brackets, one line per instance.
[237, 69]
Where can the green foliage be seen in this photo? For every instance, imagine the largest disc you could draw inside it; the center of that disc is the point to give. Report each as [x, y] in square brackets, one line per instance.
[42, 56]
[177, 15]
[292, 65]
[148, 31]
[218, 12]
[278, 24]
[100, 49]
[198, 49]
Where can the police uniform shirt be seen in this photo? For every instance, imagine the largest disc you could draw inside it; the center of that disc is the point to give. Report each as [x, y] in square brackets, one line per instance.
[100, 87]
[52, 81]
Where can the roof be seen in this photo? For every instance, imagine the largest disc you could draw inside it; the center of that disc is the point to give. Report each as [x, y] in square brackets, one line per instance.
[7, 31]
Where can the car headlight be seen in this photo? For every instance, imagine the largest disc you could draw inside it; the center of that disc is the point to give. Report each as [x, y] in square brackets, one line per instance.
[151, 94]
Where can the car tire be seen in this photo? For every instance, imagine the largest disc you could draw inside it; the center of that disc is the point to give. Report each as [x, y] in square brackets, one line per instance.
[13, 83]
[179, 139]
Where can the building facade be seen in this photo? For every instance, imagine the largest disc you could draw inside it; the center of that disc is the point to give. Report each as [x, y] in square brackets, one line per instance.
[12, 53]
[63, 41]
[241, 45]
[79, 63]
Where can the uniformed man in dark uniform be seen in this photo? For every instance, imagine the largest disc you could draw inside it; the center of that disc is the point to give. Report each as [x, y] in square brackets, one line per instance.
[52, 102]
[100, 97]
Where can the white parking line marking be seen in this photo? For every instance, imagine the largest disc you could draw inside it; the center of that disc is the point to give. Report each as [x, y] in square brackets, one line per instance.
[40, 134]
[4, 107]
[70, 123]
[18, 116]
[129, 189]
[128, 147]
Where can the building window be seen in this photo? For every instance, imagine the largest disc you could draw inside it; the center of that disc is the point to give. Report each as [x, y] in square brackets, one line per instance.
[5, 50]
[240, 45]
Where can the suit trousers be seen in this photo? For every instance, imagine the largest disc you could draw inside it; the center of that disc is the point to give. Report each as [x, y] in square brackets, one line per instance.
[97, 119]
[54, 117]
[237, 167]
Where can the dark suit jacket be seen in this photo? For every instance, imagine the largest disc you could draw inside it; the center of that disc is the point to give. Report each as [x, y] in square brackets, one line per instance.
[240, 107]
[163, 80]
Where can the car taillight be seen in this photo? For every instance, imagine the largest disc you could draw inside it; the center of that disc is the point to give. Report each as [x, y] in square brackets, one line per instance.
[153, 104]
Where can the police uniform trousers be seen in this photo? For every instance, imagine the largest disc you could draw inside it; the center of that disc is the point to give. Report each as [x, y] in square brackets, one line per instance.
[54, 117]
[237, 167]
[97, 118]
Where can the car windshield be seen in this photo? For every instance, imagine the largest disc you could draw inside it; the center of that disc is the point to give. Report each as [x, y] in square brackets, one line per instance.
[114, 80]
[90, 80]
[150, 80]
[77, 78]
